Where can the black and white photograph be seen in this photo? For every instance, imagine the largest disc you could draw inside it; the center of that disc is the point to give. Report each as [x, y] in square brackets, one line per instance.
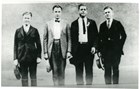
[70, 44]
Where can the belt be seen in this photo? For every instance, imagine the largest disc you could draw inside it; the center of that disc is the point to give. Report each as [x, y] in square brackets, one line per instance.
[83, 42]
[56, 40]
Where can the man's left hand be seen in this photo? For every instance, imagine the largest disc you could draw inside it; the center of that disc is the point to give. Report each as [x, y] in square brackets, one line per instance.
[38, 60]
[69, 55]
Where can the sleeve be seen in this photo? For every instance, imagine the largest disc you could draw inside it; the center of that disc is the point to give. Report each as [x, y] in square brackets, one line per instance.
[15, 46]
[68, 38]
[95, 39]
[45, 39]
[122, 34]
[73, 39]
[38, 44]
[100, 40]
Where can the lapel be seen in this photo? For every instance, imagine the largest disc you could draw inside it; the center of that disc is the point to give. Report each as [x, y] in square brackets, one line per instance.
[23, 32]
[51, 26]
[88, 23]
[30, 30]
[62, 24]
[77, 25]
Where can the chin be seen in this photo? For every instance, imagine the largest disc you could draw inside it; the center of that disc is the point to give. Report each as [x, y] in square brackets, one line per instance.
[83, 15]
[108, 18]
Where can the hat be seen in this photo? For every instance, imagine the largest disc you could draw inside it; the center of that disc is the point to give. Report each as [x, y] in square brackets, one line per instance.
[17, 72]
[100, 64]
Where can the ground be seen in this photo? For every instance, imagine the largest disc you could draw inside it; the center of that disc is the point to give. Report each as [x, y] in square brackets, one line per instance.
[128, 77]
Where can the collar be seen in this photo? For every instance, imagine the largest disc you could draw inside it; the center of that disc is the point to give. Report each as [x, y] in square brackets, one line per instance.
[24, 25]
[111, 20]
[85, 18]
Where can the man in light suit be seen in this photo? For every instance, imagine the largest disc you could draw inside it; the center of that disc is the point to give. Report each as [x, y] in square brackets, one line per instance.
[84, 37]
[57, 45]
[27, 50]
[112, 37]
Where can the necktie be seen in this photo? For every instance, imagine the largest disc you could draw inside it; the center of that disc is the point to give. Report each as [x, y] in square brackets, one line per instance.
[84, 29]
[57, 20]
[108, 24]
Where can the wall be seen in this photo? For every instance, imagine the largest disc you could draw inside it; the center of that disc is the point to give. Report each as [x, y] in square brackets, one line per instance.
[127, 13]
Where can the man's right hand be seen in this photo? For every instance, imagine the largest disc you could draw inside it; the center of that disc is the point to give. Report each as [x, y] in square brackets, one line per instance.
[46, 56]
[48, 67]
[15, 62]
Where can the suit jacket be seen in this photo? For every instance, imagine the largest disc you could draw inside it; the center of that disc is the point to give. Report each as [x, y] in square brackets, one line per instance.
[64, 38]
[92, 35]
[112, 38]
[27, 46]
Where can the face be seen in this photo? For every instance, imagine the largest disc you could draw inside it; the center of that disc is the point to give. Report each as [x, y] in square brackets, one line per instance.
[108, 13]
[83, 11]
[27, 19]
[57, 12]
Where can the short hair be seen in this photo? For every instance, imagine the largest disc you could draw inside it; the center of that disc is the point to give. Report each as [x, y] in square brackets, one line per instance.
[27, 13]
[57, 6]
[108, 7]
[80, 5]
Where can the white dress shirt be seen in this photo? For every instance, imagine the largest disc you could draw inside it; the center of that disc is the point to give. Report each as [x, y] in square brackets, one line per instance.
[26, 27]
[109, 22]
[82, 37]
[56, 30]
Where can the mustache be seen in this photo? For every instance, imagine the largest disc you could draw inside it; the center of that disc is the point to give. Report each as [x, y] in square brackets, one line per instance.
[26, 21]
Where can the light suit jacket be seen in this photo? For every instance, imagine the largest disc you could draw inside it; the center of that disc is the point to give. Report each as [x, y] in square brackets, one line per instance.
[48, 38]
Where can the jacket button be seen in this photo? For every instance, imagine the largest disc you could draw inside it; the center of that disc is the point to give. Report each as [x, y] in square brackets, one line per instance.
[109, 39]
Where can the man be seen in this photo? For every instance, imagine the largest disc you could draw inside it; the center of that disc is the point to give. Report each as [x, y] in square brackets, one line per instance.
[57, 45]
[111, 39]
[27, 50]
[84, 36]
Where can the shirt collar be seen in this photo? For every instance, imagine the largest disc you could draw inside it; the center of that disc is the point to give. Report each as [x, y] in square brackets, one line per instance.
[110, 21]
[24, 25]
[85, 18]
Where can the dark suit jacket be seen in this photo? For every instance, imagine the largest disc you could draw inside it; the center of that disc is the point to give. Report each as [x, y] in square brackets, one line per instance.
[27, 46]
[112, 38]
[92, 35]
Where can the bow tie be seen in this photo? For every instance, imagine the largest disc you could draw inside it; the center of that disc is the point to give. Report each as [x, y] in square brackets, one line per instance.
[57, 20]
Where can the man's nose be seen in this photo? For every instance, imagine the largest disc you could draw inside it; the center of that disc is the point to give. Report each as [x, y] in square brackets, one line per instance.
[83, 11]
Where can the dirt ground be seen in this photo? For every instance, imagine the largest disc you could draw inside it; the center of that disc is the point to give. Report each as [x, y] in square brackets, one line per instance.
[128, 77]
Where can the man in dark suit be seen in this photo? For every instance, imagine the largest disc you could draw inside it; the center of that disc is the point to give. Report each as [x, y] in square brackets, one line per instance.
[112, 37]
[57, 45]
[27, 50]
[84, 36]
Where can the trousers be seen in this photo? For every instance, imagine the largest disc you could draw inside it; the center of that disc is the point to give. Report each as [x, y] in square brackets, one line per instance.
[58, 64]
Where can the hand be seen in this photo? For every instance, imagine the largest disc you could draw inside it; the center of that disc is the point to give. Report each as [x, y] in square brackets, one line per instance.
[38, 60]
[93, 50]
[99, 54]
[16, 62]
[46, 56]
[48, 67]
[69, 56]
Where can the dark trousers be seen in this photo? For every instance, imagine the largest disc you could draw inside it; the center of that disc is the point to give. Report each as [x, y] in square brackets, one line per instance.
[28, 67]
[111, 64]
[85, 59]
[57, 64]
